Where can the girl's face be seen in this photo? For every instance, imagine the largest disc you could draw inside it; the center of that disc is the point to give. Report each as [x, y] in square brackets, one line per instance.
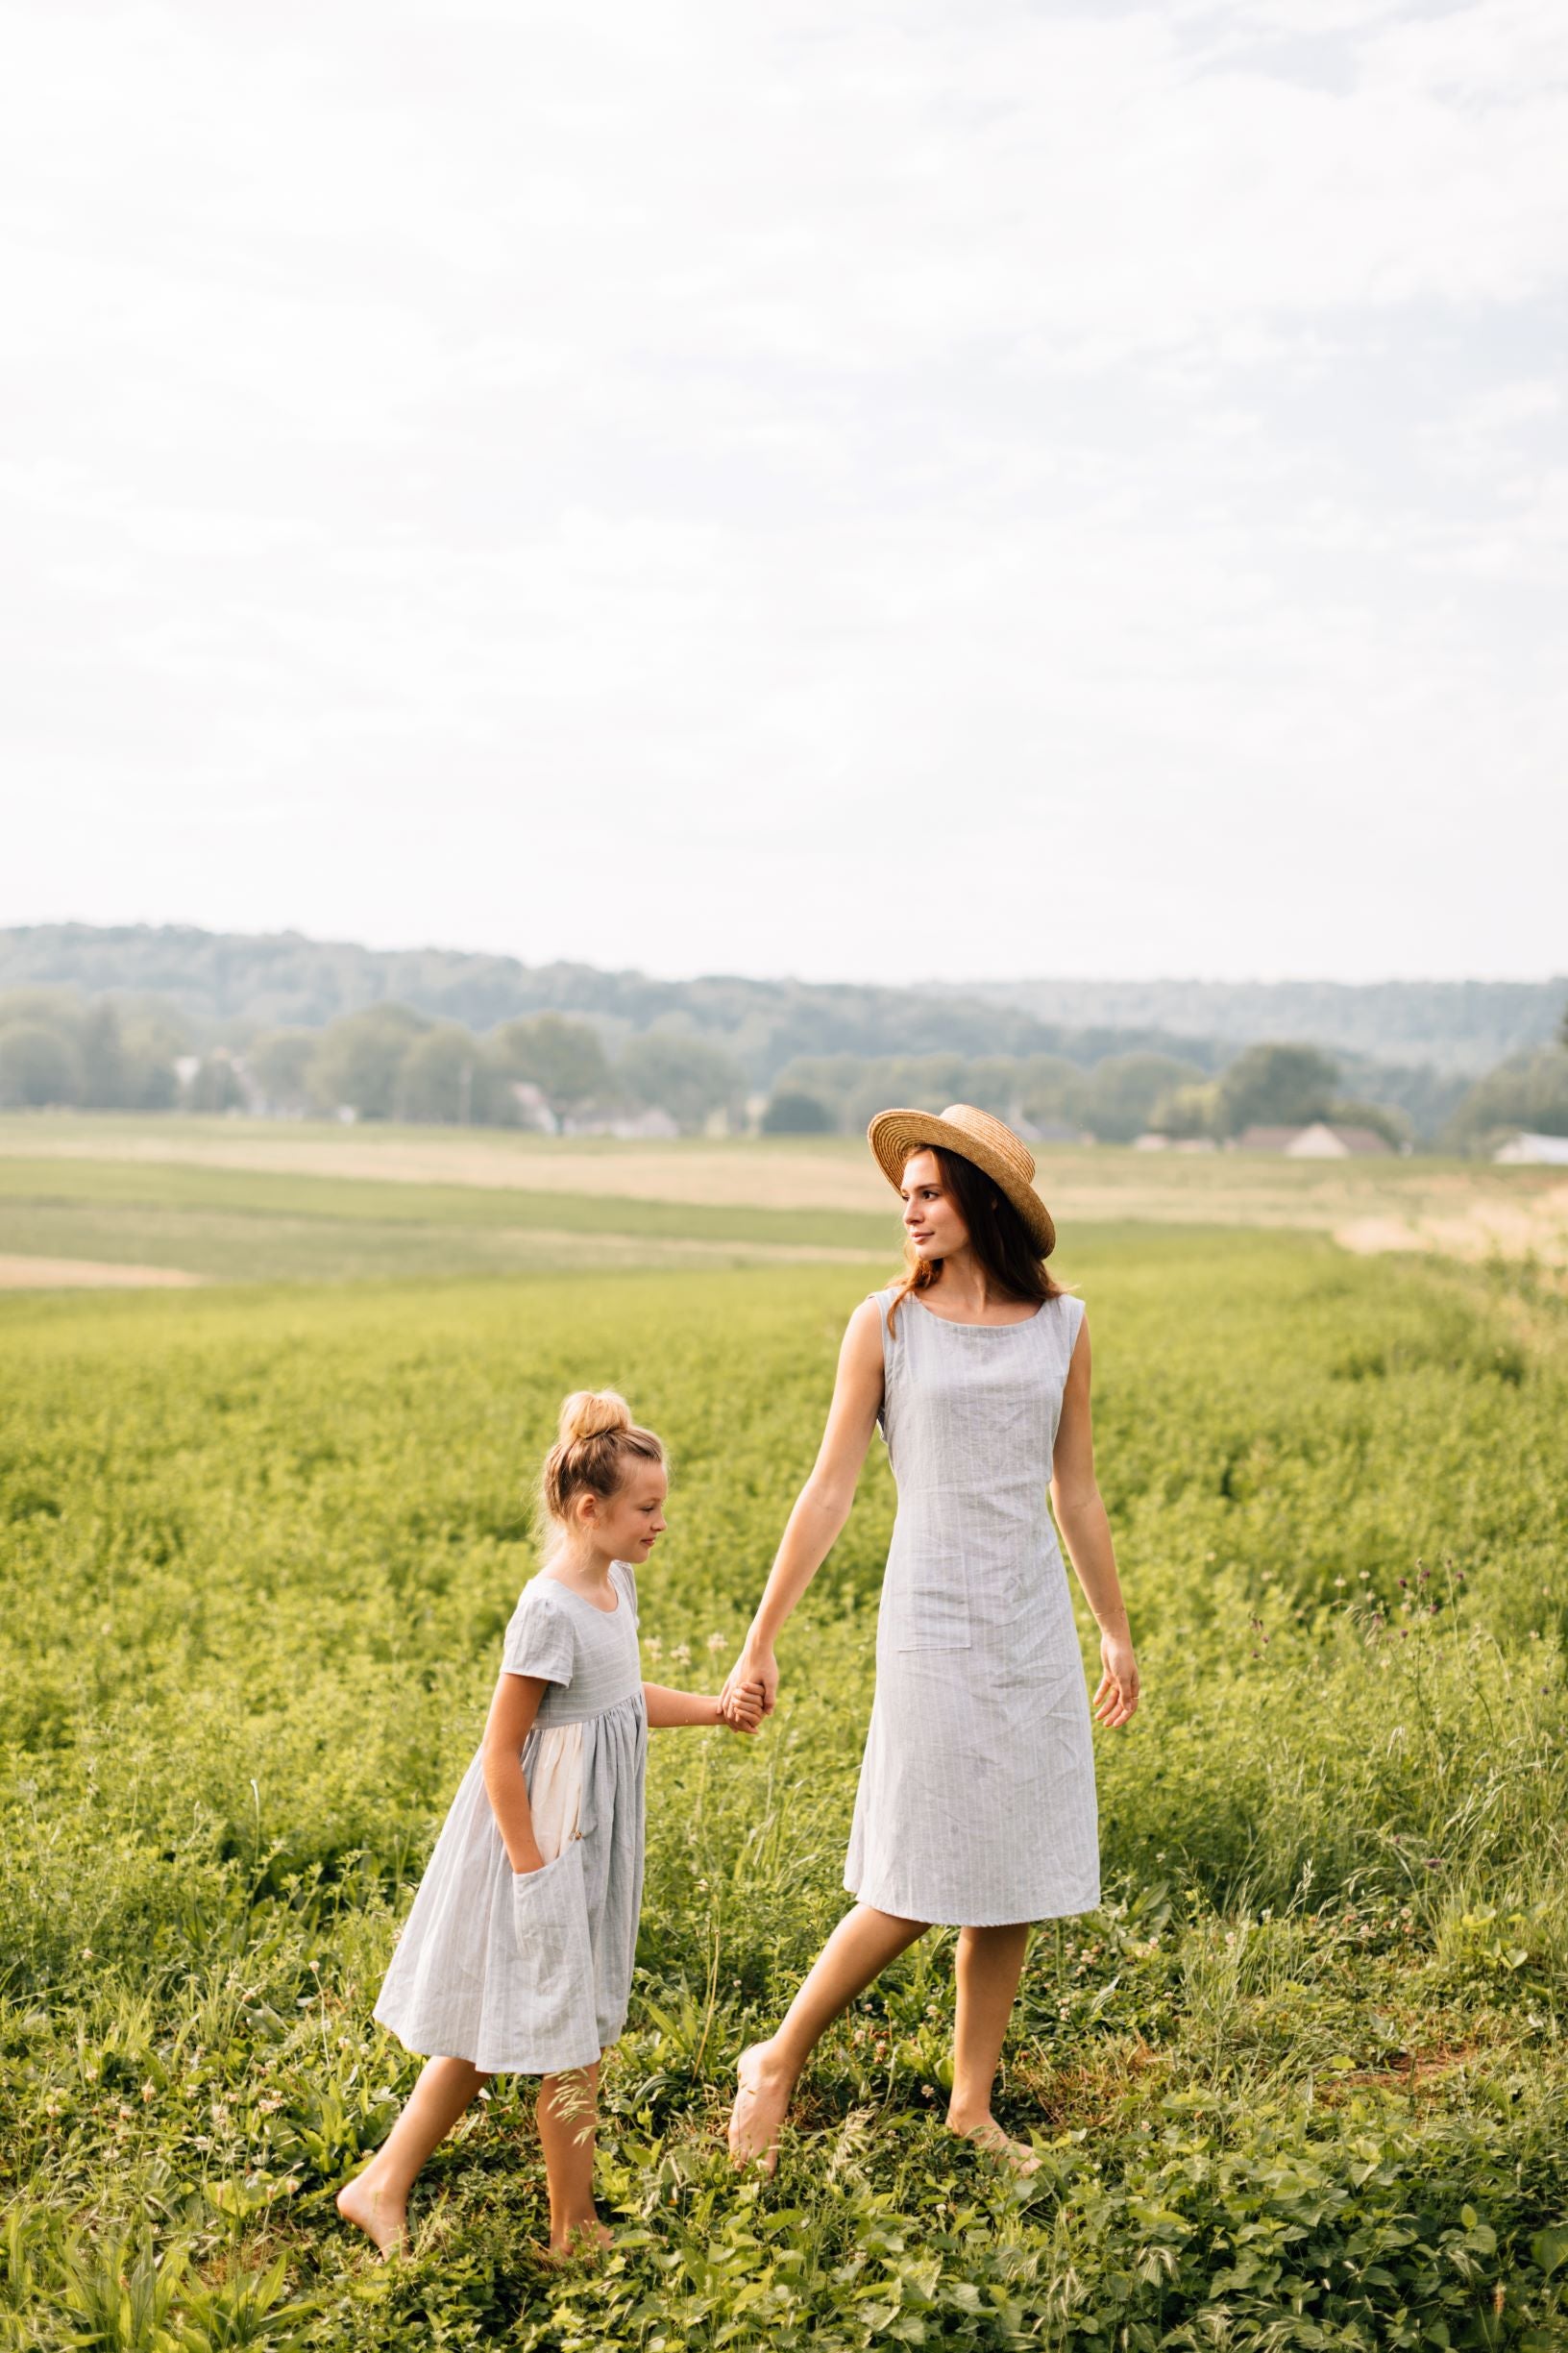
[625, 1524]
[931, 1216]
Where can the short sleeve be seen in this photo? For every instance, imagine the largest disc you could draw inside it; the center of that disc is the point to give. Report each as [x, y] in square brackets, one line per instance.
[625, 1577]
[539, 1637]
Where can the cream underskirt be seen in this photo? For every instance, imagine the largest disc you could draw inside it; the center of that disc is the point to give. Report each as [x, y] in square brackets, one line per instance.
[555, 1788]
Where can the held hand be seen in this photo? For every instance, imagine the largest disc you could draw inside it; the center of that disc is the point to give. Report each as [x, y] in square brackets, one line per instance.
[1117, 1695]
[741, 1710]
[753, 1667]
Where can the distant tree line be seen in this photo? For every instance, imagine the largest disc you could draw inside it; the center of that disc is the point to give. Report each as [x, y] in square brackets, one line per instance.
[235, 985]
[58, 1049]
[1122, 1096]
[389, 1062]
[557, 1071]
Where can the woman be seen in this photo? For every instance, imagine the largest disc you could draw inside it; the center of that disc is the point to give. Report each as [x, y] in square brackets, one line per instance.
[976, 1800]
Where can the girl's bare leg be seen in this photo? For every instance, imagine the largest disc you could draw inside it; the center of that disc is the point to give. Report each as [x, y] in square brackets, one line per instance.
[378, 2198]
[990, 1965]
[567, 2113]
[859, 1950]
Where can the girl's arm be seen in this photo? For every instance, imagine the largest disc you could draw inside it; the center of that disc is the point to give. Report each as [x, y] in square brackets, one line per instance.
[1086, 1531]
[507, 1726]
[667, 1709]
[822, 1505]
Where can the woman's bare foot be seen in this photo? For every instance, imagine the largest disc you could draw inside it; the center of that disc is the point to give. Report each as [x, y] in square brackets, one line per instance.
[578, 2240]
[988, 2135]
[381, 2215]
[761, 2104]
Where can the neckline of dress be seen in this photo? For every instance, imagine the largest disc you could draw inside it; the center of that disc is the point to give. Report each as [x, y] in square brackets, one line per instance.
[583, 1597]
[1022, 1324]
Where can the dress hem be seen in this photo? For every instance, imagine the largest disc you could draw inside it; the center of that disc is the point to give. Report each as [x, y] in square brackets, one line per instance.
[938, 1917]
[502, 2066]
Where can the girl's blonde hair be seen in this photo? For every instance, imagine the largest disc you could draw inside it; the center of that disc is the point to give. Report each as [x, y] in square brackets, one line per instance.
[598, 1443]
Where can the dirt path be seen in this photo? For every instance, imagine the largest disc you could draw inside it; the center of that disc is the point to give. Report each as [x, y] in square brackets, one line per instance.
[20, 1274]
[719, 1176]
[1532, 1228]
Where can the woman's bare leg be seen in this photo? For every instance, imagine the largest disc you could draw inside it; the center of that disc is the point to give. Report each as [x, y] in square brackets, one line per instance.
[568, 2114]
[859, 1950]
[378, 2198]
[990, 1964]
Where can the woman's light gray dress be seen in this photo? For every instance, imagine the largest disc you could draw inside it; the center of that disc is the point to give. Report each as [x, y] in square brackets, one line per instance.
[530, 1972]
[976, 1800]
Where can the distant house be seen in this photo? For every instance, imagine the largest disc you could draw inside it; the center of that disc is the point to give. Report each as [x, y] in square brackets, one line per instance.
[653, 1125]
[1319, 1140]
[1049, 1131]
[533, 1109]
[1151, 1140]
[1540, 1151]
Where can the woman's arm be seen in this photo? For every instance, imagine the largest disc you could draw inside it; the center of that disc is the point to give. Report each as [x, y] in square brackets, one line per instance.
[667, 1709]
[822, 1505]
[507, 1726]
[1086, 1531]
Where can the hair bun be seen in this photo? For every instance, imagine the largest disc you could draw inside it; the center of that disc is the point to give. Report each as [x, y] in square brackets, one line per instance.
[588, 1413]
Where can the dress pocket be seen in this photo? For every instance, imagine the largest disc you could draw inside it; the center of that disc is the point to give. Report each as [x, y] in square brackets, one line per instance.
[550, 1923]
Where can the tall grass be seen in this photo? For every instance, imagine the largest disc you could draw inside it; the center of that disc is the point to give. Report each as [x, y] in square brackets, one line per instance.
[1300, 2082]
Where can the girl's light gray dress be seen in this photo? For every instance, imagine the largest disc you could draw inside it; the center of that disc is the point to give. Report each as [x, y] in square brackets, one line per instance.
[530, 1972]
[976, 1800]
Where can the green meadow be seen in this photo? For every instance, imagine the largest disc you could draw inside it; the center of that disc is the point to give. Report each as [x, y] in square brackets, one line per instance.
[1300, 2083]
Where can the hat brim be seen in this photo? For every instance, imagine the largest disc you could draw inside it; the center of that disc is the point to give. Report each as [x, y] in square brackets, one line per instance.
[894, 1134]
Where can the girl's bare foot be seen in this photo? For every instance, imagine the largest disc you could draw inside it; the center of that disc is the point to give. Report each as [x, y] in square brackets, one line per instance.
[381, 2215]
[988, 2135]
[575, 2240]
[761, 2104]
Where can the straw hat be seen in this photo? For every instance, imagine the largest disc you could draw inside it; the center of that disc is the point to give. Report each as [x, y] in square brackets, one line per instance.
[975, 1135]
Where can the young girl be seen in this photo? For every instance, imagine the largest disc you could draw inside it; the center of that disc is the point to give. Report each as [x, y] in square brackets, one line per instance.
[517, 1955]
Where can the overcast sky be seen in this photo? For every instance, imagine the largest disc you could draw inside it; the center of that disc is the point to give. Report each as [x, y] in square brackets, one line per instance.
[935, 487]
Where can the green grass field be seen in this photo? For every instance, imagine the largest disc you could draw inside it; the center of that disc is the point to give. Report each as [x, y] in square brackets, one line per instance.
[1301, 2083]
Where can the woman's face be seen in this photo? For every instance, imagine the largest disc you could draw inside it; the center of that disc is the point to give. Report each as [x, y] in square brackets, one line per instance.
[627, 1522]
[931, 1218]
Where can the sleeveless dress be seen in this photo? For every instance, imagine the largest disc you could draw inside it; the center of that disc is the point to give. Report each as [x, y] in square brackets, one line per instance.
[530, 1972]
[976, 1800]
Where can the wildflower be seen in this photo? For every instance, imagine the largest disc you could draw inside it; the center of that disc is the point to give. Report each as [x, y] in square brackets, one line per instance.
[716, 1642]
[683, 1653]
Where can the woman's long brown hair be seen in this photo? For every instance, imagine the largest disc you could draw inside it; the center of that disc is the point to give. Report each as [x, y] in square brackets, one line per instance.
[998, 1236]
